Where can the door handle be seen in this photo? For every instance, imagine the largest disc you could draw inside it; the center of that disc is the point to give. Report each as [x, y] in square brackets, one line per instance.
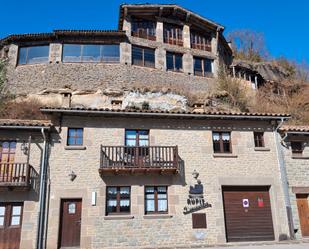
[79, 221]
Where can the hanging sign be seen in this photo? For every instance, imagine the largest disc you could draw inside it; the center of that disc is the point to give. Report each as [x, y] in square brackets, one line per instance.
[245, 203]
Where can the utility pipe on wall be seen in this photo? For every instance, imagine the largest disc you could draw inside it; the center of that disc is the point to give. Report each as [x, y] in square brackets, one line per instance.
[284, 178]
[42, 194]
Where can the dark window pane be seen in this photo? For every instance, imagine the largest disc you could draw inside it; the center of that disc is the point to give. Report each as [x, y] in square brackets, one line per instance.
[169, 61]
[137, 56]
[216, 146]
[258, 139]
[226, 146]
[297, 147]
[22, 56]
[178, 62]
[207, 66]
[91, 53]
[198, 70]
[71, 53]
[149, 58]
[110, 53]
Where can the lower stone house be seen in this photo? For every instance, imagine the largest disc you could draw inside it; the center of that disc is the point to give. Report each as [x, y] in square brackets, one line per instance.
[21, 156]
[138, 179]
[295, 140]
[134, 179]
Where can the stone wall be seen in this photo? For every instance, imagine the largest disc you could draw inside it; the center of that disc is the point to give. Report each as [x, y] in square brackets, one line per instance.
[29, 198]
[298, 177]
[194, 140]
[25, 79]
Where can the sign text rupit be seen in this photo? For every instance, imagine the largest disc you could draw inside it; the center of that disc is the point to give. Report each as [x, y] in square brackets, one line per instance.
[196, 199]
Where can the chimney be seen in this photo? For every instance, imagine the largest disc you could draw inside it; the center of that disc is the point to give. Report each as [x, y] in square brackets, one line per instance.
[66, 99]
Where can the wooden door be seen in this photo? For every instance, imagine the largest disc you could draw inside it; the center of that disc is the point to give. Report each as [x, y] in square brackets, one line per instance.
[10, 225]
[303, 212]
[70, 223]
[247, 213]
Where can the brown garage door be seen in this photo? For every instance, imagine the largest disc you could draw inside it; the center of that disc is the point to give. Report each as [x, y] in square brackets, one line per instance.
[247, 213]
[10, 225]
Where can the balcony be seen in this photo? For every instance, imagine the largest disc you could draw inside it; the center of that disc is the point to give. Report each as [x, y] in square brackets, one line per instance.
[143, 34]
[139, 160]
[205, 47]
[16, 175]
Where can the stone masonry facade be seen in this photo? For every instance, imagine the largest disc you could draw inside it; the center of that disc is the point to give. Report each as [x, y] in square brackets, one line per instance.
[30, 197]
[298, 177]
[247, 167]
[25, 79]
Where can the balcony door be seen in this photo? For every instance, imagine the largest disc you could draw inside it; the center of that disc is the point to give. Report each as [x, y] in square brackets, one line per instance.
[137, 143]
[7, 157]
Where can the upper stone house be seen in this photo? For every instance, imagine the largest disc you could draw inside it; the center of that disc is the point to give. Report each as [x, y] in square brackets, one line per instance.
[155, 45]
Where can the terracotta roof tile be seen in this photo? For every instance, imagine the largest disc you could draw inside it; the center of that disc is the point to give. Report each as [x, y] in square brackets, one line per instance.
[60, 109]
[21, 123]
[297, 128]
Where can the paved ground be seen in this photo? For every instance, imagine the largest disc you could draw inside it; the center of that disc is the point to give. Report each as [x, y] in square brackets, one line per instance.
[271, 246]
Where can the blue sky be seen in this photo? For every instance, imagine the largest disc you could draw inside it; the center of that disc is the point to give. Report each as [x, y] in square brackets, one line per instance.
[285, 23]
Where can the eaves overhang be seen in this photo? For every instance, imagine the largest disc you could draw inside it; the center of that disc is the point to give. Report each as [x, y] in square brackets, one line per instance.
[164, 114]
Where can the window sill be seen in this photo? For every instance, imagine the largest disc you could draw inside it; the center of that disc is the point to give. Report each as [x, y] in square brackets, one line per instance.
[224, 155]
[300, 157]
[261, 149]
[119, 217]
[158, 216]
[75, 147]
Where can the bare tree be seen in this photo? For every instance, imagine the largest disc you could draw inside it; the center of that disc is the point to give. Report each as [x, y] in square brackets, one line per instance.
[248, 45]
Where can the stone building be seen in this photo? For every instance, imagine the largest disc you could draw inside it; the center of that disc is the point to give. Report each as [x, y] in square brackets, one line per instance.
[162, 45]
[120, 169]
[295, 140]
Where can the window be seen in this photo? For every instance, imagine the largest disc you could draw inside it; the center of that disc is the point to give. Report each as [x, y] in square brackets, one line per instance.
[156, 199]
[137, 138]
[118, 200]
[258, 139]
[16, 215]
[10, 214]
[144, 29]
[90, 53]
[199, 41]
[173, 61]
[202, 66]
[33, 55]
[222, 142]
[7, 151]
[75, 136]
[143, 56]
[2, 215]
[297, 148]
[172, 34]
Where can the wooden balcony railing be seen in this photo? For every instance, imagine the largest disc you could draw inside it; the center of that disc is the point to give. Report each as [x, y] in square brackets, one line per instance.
[205, 47]
[143, 34]
[16, 174]
[139, 159]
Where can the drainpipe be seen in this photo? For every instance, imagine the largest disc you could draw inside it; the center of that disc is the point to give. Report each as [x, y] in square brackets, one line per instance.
[284, 178]
[42, 194]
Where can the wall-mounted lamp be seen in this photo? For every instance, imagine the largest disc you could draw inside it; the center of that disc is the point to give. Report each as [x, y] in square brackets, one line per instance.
[24, 148]
[72, 176]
